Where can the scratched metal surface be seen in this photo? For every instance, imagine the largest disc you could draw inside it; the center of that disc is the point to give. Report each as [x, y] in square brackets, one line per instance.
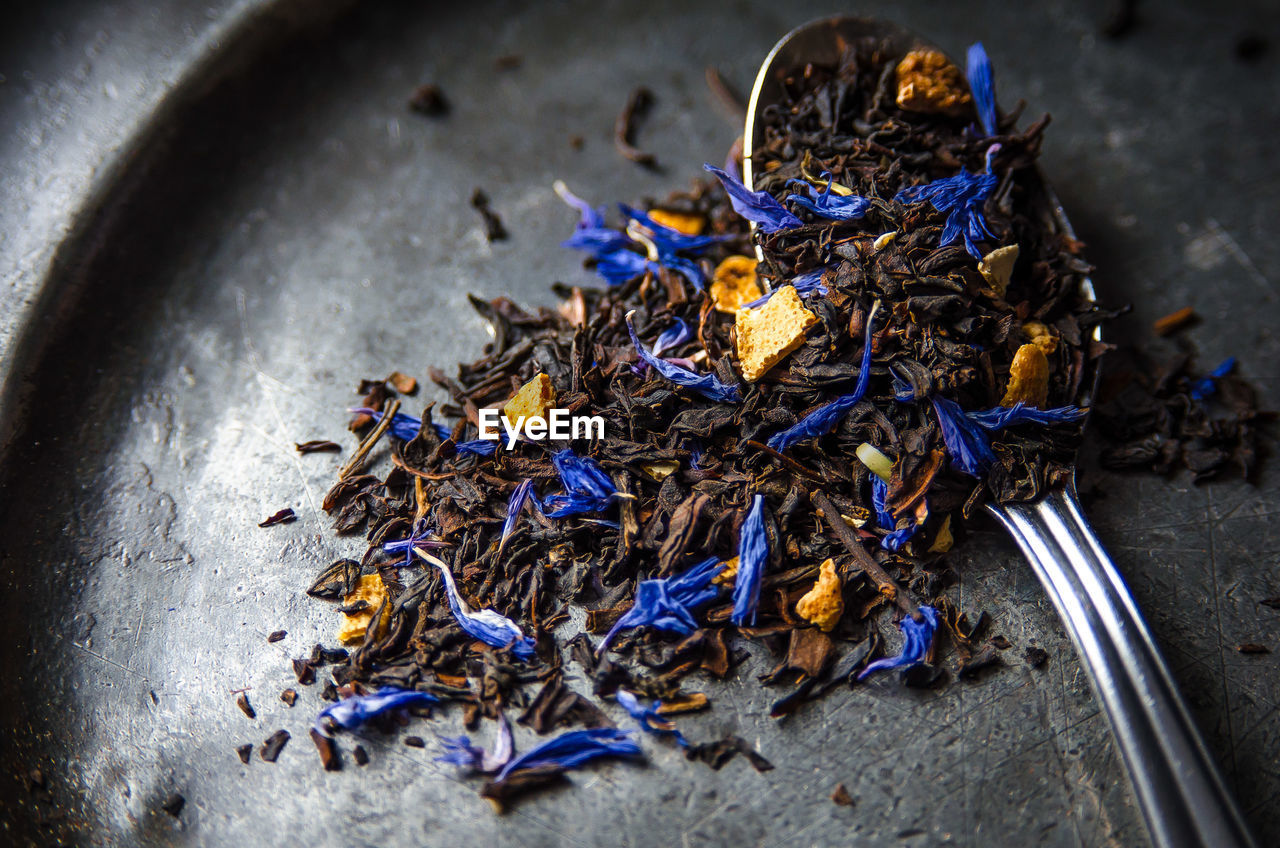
[209, 212]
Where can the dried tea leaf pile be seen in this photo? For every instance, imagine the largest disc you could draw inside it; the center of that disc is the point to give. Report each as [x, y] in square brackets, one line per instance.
[789, 445]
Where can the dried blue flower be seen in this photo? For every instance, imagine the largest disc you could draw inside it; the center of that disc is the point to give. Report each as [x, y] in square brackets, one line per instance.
[759, 207]
[350, 713]
[488, 626]
[672, 337]
[668, 603]
[1001, 417]
[707, 385]
[572, 749]
[403, 427]
[477, 447]
[962, 198]
[966, 441]
[828, 205]
[649, 719]
[590, 234]
[418, 537]
[805, 285]
[459, 751]
[622, 265]
[1208, 385]
[586, 487]
[896, 538]
[919, 636]
[982, 85]
[822, 419]
[753, 553]
[514, 504]
[667, 239]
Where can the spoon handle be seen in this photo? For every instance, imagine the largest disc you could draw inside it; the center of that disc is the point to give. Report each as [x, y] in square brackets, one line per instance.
[1182, 797]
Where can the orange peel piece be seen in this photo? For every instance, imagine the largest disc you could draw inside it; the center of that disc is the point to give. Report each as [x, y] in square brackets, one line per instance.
[1028, 378]
[734, 284]
[682, 222]
[535, 398]
[768, 333]
[368, 588]
[824, 603]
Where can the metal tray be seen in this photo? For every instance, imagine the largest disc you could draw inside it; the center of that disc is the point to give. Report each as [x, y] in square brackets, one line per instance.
[278, 225]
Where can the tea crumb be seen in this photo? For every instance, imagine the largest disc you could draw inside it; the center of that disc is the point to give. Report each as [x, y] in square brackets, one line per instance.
[841, 796]
[289, 696]
[494, 229]
[402, 383]
[277, 635]
[328, 751]
[429, 100]
[1174, 321]
[1036, 657]
[415, 742]
[1253, 648]
[173, 805]
[244, 752]
[360, 755]
[274, 745]
[284, 516]
[317, 446]
[624, 129]
[242, 701]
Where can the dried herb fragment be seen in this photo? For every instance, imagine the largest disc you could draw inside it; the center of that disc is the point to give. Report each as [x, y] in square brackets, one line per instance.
[242, 701]
[244, 752]
[840, 796]
[284, 516]
[428, 99]
[318, 446]
[494, 229]
[276, 636]
[275, 743]
[624, 129]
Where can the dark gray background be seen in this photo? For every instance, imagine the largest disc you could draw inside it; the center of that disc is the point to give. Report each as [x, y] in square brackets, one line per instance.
[216, 216]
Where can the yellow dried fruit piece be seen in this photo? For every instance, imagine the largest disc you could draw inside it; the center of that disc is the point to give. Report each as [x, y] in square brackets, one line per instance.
[661, 469]
[1040, 336]
[823, 604]
[728, 575]
[770, 332]
[929, 82]
[372, 590]
[734, 284]
[877, 463]
[997, 267]
[684, 222]
[943, 541]
[534, 398]
[1028, 378]
[884, 239]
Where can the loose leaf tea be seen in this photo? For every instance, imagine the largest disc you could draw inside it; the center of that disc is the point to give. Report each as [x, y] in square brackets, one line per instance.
[790, 445]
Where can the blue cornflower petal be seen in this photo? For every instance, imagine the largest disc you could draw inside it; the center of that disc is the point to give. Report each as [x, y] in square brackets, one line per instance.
[822, 419]
[982, 85]
[418, 537]
[488, 626]
[919, 636]
[514, 504]
[649, 719]
[753, 553]
[1207, 385]
[668, 239]
[350, 713]
[668, 603]
[805, 284]
[620, 266]
[590, 234]
[759, 207]
[962, 198]
[896, 538]
[587, 487]
[459, 751]
[442, 432]
[674, 336]
[1001, 417]
[832, 206]
[573, 748]
[478, 447]
[403, 427]
[967, 443]
[707, 385]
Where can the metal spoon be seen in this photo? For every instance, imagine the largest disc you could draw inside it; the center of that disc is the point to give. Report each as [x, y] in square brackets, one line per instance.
[1182, 797]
